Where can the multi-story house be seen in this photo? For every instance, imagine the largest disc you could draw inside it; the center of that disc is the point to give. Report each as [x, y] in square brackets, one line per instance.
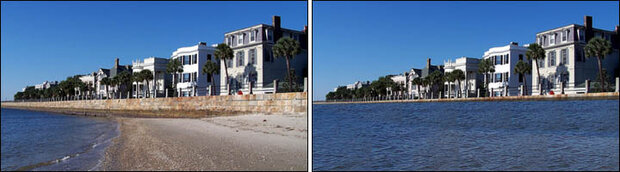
[192, 82]
[100, 89]
[401, 81]
[505, 81]
[566, 63]
[358, 85]
[469, 85]
[427, 70]
[254, 61]
[412, 89]
[90, 81]
[155, 87]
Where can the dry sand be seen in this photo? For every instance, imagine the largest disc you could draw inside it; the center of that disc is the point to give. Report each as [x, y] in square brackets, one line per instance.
[245, 142]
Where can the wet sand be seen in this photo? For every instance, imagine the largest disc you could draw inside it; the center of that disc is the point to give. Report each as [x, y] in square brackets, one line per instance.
[244, 142]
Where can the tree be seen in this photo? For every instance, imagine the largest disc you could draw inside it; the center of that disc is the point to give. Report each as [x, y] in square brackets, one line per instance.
[174, 67]
[458, 75]
[599, 48]
[288, 48]
[147, 75]
[137, 77]
[535, 52]
[449, 78]
[436, 80]
[486, 67]
[523, 68]
[124, 80]
[417, 81]
[224, 52]
[211, 68]
[106, 81]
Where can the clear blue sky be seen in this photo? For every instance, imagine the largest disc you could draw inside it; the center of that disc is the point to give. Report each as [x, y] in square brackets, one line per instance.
[364, 40]
[53, 40]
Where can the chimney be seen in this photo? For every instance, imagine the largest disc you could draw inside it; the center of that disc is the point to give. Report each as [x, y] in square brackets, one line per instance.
[428, 63]
[276, 22]
[514, 43]
[202, 43]
[587, 22]
[116, 63]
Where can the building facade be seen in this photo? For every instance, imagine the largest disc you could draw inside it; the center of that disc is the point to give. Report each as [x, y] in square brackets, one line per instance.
[45, 85]
[100, 89]
[192, 82]
[469, 85]
[566, 63]
[505, 81]
[161, 80]
[254, 61]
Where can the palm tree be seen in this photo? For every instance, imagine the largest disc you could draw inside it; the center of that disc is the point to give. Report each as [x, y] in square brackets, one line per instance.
[426, 81]
[125, 80]
[174, 67]
[523, 68]
[535, 52]
[448, 77]
[458, 75]
[147, 75]
[211, 68]
[137, 77]
[224, 52]
[106, 81]
[288, 48]
[599, 48]
[486, 67]
[418, 81]
[114, 81]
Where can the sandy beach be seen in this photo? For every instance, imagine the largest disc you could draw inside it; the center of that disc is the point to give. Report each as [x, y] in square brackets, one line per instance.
[243, 142]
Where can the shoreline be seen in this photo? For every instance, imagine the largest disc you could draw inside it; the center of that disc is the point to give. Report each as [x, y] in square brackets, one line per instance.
[241, 142]
[589, 96]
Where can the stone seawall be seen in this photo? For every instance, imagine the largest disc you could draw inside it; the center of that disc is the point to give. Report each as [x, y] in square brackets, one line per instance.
[177, 106]
[589, 96]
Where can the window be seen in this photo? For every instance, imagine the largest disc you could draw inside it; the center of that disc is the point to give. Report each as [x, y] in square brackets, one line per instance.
[552, 58]
[498, 60]
[186, 77]
[541, 62]
[269, 34]
[229, 61]
[240, 57]
[520, 56]
[506, 58]
[194, 76]
[252, 36]
[229, 40]
[195, 59]
[539, 40]
[185, 60]
[252, 56]
[565, 35]
[506, 77]
[564, 56]
[498, 77]
[581, 35]
[209, 57]
[552, 39]
[232, 39]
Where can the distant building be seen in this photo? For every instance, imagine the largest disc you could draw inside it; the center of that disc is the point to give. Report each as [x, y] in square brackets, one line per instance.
[357, 85]
[469, 85]
[401, 80]
[161, 80]
[412, 89]
[565, 60]
[90, 81]
[254, 61]
[192, 82]
[46, 85]
[505, 81]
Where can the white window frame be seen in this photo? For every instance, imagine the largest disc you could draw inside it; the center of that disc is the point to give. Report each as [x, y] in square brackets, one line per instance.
[581, 34]
[253, 35]
[240, 40]
[552, 39]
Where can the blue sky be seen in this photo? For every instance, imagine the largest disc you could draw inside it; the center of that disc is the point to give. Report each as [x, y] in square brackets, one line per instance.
[53, 40]
[364, 40]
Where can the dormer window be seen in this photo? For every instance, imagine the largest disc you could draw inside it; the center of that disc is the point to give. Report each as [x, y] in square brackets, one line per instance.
[252, 36]
[240, 39]
[581, 35]
[565, 35]
[269, 34]
[552, 39]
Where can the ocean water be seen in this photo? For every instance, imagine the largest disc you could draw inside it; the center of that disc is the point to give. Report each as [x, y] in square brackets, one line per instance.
[523, 135]
[35, 141]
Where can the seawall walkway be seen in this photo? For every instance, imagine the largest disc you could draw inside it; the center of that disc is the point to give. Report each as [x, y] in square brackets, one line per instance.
[589, 96]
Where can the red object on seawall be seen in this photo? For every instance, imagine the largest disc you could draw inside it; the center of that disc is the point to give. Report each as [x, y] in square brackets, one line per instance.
[551, 93]
[239, 92]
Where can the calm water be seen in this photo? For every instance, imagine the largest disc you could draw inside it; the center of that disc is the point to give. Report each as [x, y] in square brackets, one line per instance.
[46, 141]
[528, 135]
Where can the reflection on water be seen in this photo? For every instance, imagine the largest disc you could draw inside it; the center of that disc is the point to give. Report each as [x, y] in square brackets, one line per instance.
[527, 135]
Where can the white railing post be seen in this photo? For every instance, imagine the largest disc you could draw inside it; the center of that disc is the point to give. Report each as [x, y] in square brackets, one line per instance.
[587, 86]
[617, 84]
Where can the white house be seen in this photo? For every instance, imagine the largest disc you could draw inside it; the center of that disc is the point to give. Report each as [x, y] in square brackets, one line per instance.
[192, 82]
[469, 85]
[155, 87]
[506, 82]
